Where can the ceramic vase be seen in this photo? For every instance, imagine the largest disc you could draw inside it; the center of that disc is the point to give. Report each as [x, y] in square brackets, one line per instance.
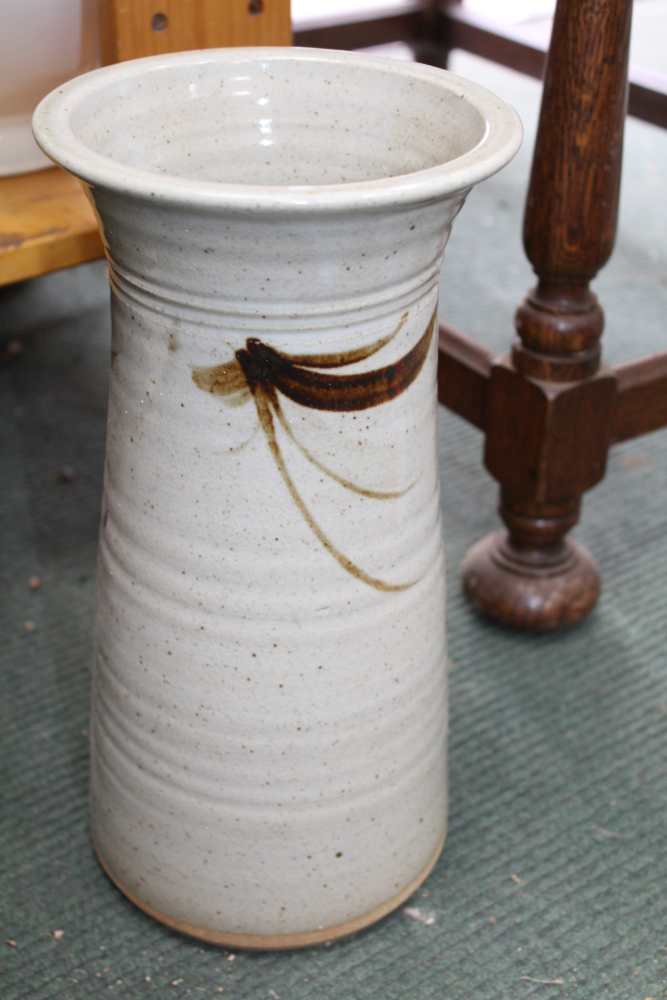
[269, 708]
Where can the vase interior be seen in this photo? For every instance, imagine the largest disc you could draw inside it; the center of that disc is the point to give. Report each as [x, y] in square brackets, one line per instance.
[264, 121]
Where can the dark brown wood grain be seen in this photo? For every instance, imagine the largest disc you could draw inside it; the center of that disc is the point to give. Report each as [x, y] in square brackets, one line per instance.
[463, 376]
[362, 33]
[550, 408]
[642, 398]
[575, 181]
[647, 99]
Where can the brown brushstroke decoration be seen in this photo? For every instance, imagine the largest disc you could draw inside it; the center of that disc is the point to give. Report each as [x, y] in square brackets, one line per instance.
[264, 372]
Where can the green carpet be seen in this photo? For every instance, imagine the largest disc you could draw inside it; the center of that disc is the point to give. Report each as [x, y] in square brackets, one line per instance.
[554, 878]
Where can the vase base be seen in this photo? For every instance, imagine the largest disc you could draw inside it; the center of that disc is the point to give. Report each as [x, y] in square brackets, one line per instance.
[273, 942]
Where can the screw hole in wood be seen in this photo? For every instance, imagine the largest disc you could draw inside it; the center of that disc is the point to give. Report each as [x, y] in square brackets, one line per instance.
[255, 6]
[159, 21]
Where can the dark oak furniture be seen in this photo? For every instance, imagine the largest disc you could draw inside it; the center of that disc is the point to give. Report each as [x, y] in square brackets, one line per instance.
[550, 409]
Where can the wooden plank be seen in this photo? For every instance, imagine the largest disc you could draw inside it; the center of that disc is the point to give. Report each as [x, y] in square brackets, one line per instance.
[46, 223]
[490, 39]
[149, 27]
[464, 371]
[641, 405]
[363, 33]
[647, 100]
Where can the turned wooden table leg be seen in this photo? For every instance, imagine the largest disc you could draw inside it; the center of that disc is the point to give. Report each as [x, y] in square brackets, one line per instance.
[550, 407]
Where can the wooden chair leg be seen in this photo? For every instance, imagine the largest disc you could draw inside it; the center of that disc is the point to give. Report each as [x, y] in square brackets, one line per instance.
[430, 44]
[550, 406]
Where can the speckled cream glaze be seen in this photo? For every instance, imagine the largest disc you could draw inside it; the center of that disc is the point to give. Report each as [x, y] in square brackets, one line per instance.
[269, 697]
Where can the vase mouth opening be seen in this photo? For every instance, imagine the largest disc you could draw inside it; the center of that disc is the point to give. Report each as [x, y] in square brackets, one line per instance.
[277, 128]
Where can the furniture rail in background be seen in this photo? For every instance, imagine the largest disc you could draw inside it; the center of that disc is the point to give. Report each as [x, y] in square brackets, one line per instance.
[513, 37]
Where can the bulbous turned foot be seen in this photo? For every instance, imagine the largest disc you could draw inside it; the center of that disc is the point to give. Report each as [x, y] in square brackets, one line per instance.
[531, 589]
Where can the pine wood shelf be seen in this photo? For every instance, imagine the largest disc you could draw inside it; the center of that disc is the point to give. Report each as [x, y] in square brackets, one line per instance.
[46, 223]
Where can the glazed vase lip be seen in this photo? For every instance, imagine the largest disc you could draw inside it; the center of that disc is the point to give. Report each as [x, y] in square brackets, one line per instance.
[56, 135]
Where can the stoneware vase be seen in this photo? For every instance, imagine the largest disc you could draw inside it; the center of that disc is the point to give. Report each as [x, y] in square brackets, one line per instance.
[269, 709]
